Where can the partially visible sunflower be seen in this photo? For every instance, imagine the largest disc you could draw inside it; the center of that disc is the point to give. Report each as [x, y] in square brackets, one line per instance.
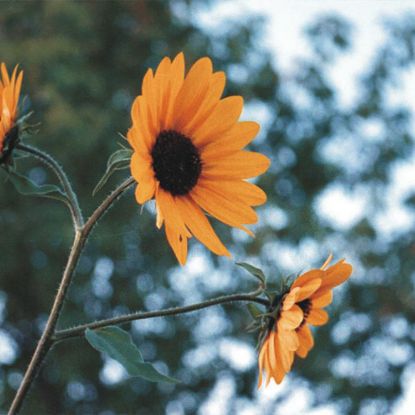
[324, 279]
[289, 333]
[9, 99]
[188, 154]
[281, 341]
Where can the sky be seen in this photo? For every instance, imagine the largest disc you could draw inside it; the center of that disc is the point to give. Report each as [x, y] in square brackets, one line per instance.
[283, 36]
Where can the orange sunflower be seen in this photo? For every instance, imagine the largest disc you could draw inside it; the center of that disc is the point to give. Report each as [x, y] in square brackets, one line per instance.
[188, 154]
[324, 280]
[9, 99]
[289, 333]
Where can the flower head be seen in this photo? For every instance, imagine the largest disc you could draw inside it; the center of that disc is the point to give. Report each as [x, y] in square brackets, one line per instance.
[9, 99]
[188, 154]
[289, 333]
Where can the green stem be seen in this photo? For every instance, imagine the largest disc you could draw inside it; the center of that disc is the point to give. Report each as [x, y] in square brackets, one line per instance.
[79, 331]
[45, 342]
[73, 204]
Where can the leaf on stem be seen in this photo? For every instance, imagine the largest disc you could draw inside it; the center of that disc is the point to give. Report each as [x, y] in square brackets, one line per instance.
[118, 160]
[27, 187]
[118, 345]
[256, 272]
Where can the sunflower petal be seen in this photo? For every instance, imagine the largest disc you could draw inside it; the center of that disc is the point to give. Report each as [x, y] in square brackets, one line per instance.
[192, 93]
[224, 116]
[231, 212]
[241, 165]
[336, 274]
[239, 136]
[308, 276]
[199, 225]
[322, 300]
[317, 317]
[307, 289]
[305, 339]
[178, 242]
[290, 319]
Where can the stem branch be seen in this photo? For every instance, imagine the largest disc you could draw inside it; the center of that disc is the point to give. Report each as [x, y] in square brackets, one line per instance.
[80, 330]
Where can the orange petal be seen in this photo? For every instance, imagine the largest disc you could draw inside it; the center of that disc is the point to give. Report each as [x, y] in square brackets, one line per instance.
[320, 300]
[224, 117]
[162, 80]
[306, 340]
[307, 289]
[145, 190]
[199, 225]
[336, 274]
[290, 319]
[140, 167]
[317, 317]
[261, 361]
[287, 357]
[308, 276]
[178, 242]
[238, 190]
[216, 87]
[176, 82]
[241, 165]
[239, 136]
[192, 93]
[233, 213]
[290, 298]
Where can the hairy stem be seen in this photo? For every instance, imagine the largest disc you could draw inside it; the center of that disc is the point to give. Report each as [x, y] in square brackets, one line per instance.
[80, 330]
[81, 236]
[73, 204]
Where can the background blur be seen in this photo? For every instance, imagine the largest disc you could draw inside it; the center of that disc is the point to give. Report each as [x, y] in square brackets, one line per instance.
[333, 87]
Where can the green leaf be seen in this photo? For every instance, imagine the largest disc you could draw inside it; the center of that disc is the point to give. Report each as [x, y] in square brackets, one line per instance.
[256, 272]
[117, 344]
[254, 310]
[25, 186]
[118, 160]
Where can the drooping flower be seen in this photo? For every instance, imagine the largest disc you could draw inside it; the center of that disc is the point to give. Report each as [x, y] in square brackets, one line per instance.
[305, 299]
[9, 99]
[188, 154]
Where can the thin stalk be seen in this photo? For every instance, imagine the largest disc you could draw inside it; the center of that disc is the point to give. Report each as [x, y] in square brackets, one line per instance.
[79, 331]
[45, 342]
[73, 204]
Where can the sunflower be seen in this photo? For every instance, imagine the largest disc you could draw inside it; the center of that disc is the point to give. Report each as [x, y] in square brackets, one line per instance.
[188, 154]
[281, 342]
[320, 282]
[289, 333]
[9, 99]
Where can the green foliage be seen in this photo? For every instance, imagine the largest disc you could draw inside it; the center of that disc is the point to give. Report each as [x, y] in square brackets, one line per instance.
[28, 187]
[119, 160]
[256, 272]
[83, 63]
[117, 344]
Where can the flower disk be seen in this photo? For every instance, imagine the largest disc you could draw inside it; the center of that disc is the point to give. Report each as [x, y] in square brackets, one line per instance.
[188, 154]
[172, 153]
[9, 99]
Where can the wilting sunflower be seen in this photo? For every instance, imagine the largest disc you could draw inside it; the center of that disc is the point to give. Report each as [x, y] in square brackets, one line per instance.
[324, 280]
[188, 154]
[281, 341]
[9, 99]
[305, 299]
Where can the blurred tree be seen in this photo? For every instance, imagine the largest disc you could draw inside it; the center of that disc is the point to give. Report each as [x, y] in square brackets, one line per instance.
[83, 64]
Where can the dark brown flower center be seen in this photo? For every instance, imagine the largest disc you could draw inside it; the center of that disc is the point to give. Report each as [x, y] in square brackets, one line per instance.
[305, 306]
[176, 162]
